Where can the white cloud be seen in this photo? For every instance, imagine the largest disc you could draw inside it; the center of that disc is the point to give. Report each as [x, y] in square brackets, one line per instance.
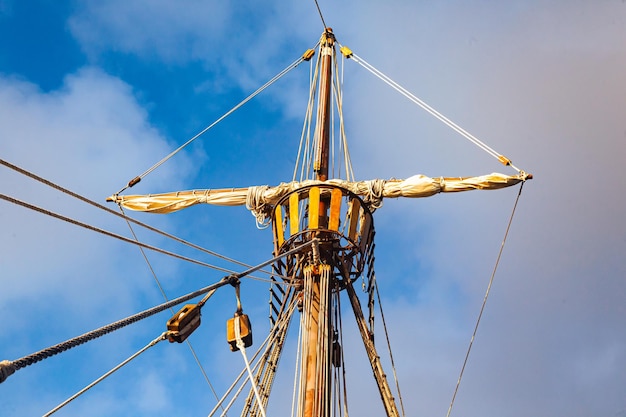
[172, 31]
[90, 136]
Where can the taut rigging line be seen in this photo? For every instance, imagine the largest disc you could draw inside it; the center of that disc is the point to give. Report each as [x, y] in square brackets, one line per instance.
[482, 307]
[123, 216]
[107, 233]
[7, 367]
[278, 76]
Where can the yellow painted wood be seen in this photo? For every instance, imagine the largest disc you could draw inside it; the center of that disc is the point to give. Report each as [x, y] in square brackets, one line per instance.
[335, 209]
[354, 209]
[314, 208]
[294, 219]
[278, 225]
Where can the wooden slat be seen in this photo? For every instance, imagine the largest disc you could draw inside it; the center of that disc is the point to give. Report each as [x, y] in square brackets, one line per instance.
[294, 218]
[314, 208]
[354, 209]
[335, 209]
[278, 225]
[366, 226]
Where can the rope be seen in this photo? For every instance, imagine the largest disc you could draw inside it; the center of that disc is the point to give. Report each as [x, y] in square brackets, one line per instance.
[270, 339]
[242, 349]
[228, 113]
[482, 308]
[163, 336]
[433, 112]
[94, 334]
[320, 13]
[343, 143]
[107, 233]
[374, 196]
[295, 374]
[305, 138]
[9, 367]
[255, 202]
[393, 365]
[158, 282]
[121, 215]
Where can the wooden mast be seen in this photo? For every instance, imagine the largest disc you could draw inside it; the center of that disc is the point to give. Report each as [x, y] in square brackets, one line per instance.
[316, 401]
[342, 223]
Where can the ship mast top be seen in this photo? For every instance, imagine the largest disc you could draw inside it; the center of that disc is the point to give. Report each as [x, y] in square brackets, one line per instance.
[322, 128]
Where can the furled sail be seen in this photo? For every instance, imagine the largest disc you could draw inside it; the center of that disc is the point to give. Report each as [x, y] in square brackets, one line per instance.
[257, 198]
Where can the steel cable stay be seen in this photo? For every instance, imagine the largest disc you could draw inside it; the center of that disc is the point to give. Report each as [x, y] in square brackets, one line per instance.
[501, 158]
[114, 235]
[7, 367]
[482, 307]
[393, 365]
[304, 57]
[165, 297]
[125, 217]
[162, 337]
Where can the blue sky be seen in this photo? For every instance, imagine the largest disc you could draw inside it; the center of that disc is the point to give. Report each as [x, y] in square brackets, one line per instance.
[94, 93]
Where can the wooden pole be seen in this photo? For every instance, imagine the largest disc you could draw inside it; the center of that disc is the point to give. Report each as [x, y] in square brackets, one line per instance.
[317, 372]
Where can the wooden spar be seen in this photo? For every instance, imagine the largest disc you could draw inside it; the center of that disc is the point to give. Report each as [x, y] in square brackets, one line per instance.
[322, 128]
[316, 402]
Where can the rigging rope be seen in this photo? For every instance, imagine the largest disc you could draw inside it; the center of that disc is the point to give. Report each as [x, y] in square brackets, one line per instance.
[7, 368]
[305, 138]
[296, 374]
[107, 233]
[320, 13]
[228, 113]
[393, 365]
[242, 348]
[158, 282]
[269, 340]
[15, 365]
[504, 160]
[121, 215]
[482, 308]
[163, 336]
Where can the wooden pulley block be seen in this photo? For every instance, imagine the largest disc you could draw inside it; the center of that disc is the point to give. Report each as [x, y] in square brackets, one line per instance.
[245, 331]
[183, 323]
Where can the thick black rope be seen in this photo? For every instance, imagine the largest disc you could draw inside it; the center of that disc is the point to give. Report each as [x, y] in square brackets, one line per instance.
[121, 215]
[9, 367]
[107, 233]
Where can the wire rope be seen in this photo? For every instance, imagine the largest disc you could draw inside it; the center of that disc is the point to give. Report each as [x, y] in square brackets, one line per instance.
[94, 334]
[158, 282]
[393, 365]
[203, 131]
[106, 375]
[321, 15]
[482, 307]
[433, 112]
[108, 233]
[9, 367]
[121, 215]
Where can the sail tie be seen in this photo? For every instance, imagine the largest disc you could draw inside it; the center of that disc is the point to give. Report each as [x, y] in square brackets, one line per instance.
[257, 204]
[374, 196]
